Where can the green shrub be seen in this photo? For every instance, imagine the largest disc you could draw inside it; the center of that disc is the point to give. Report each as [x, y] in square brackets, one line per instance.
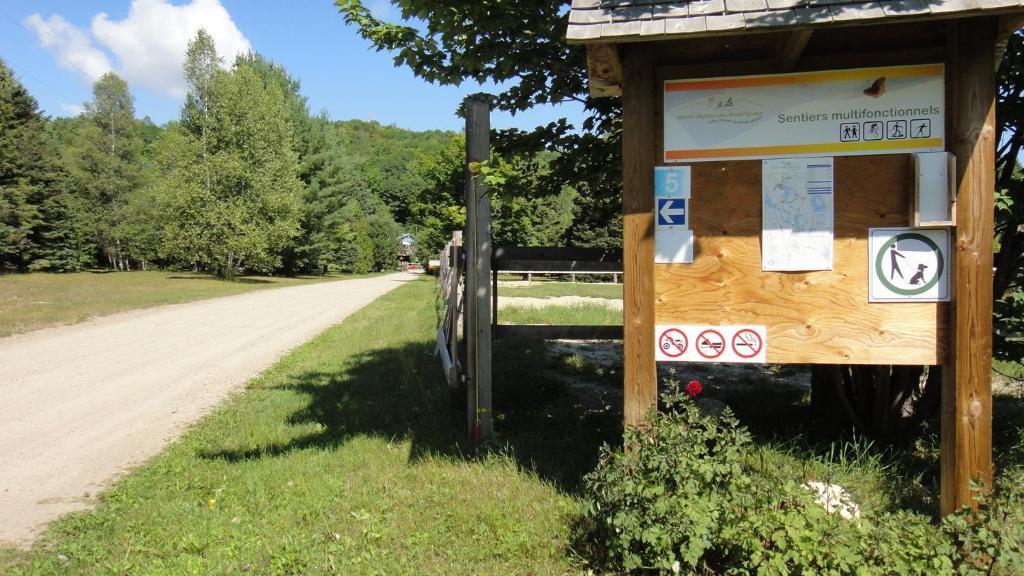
[991, 539]
[680, 498]
[665, 498]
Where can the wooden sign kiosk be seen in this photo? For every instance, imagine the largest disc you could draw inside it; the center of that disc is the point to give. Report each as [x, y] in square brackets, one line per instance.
[638, 48]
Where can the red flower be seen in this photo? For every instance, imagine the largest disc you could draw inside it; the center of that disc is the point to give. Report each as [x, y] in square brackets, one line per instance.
[694, 388]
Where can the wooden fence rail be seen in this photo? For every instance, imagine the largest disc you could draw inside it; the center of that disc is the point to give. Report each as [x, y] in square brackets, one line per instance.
[547, 259]
[451, 294]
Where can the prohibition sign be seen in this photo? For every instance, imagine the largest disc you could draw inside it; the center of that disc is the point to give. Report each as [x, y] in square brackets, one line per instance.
[673, 343]
[710, 344]
[746, 343]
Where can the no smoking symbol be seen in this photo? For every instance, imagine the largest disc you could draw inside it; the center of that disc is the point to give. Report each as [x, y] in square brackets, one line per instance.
[673, 343]
[746, 343]
[710, 344]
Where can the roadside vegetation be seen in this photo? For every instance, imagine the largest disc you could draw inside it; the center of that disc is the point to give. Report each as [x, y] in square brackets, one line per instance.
[33, 301]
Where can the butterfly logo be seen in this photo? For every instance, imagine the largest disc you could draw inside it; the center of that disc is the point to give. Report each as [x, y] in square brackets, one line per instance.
[876, 89]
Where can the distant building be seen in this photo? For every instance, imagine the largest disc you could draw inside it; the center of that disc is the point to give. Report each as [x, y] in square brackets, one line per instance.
[406, 247]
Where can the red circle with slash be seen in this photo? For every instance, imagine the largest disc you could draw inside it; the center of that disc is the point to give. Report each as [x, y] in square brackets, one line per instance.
[673, 343]
[748, 340]
[710, 344]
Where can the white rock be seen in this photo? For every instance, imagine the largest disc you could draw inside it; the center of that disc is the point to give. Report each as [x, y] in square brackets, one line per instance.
[834, 499]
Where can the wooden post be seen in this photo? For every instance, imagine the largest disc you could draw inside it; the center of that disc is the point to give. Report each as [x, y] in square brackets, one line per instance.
[640, 372]
[478, 268]
[967, 382]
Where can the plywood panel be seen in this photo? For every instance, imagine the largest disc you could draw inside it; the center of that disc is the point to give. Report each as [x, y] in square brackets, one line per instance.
[812, 317]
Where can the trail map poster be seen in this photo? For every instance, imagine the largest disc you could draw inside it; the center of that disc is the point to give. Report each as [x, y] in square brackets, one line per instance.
[796, 214]
[887, 110]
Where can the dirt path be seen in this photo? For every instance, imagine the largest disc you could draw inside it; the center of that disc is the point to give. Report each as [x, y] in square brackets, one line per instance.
[81, 405]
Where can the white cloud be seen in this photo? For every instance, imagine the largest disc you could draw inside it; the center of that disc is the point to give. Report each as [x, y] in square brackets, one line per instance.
[70, 45]
[150, 42]
[72, 109]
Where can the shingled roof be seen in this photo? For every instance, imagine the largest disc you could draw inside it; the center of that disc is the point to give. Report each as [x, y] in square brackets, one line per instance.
[630, 20]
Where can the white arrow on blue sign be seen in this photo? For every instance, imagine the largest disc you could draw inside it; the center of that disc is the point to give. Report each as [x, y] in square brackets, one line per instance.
[671, 212]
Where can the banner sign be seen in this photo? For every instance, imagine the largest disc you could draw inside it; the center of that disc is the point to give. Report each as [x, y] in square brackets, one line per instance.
[889, 110]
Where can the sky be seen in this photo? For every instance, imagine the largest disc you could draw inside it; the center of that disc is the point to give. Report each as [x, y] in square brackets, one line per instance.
[58, 48]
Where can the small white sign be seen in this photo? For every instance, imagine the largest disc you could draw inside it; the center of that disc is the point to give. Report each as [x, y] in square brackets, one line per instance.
[673, 246]
[694, 343]
[908, 265]
[672, 181]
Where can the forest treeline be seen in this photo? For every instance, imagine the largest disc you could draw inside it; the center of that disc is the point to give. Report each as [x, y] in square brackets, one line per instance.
[247, 180]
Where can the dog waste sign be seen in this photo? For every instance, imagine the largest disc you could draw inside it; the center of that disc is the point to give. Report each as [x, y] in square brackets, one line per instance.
[694, 343]
[908, 265]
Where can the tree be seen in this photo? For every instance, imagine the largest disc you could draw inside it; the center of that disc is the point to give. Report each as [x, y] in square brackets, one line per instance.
[35, 230]
[384, 233]
[103, 152]
[439, 208]
[230, 171]
[1008, 281]
[202, 69]
[469, 40]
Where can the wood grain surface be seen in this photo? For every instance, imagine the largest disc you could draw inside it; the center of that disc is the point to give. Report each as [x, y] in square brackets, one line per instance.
[821, 317]
[638, 97]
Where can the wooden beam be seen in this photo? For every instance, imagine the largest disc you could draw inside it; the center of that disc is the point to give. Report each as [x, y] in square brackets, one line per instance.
[557, 253]
[638, 146]
[556, 332]
[791, 46]
[604, 70]
[478, 268]
[966, 447]
[566, 266]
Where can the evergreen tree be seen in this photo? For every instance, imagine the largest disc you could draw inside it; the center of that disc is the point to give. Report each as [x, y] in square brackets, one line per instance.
[35, 233]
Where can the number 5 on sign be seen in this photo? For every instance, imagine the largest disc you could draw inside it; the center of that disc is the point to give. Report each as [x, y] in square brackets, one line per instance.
[672, 181]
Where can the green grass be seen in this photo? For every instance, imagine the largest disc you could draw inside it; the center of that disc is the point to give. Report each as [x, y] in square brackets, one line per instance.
[348, 457]
[345, 458]
[577, 314]
[1013, 371]
[555, 289]
[32, 301]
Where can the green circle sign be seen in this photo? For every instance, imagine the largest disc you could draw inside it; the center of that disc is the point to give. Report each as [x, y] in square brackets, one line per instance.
[940, 267]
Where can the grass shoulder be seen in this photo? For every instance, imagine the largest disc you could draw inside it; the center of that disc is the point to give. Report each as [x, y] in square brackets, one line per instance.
[39, 300]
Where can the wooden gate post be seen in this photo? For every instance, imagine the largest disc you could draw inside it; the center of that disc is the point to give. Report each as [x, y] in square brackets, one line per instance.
[967, 377]
[639, 370]
[478, 269]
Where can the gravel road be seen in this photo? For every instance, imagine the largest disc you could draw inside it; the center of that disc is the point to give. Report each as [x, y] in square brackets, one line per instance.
[83, 404]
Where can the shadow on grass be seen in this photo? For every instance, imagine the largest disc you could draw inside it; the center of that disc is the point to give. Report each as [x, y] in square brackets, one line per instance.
[400, 393]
